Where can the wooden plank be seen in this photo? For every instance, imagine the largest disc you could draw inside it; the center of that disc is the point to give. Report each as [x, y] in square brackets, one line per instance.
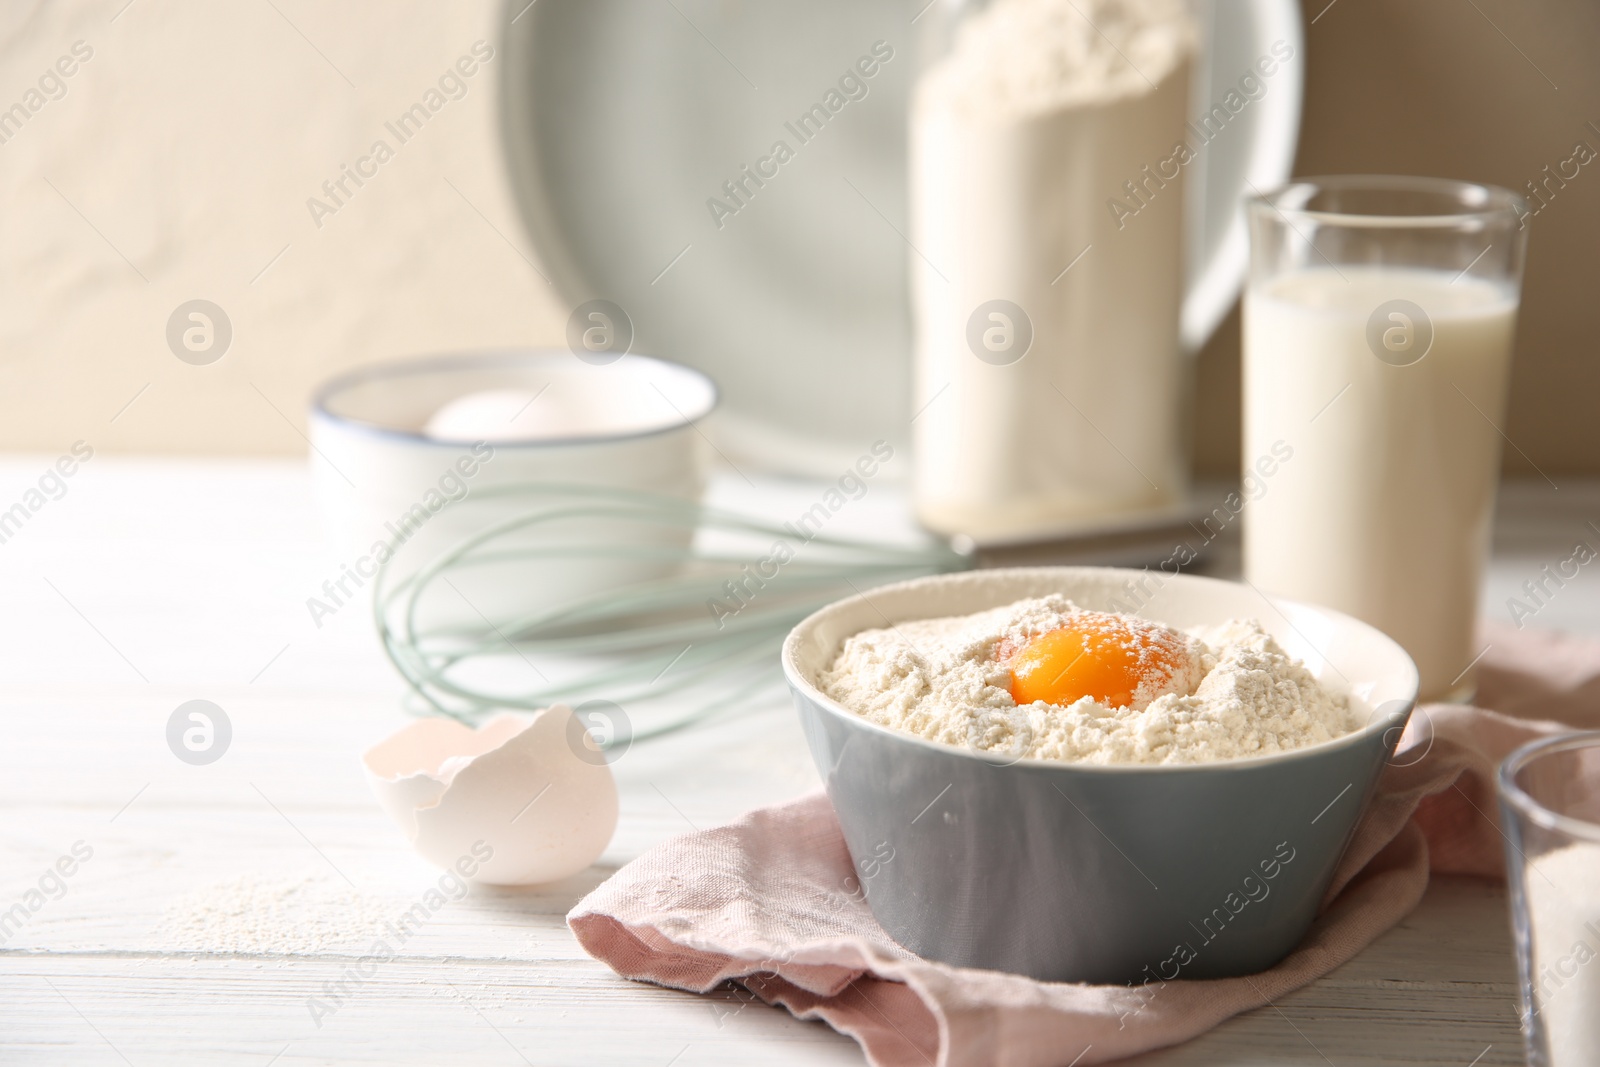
[178, 1011]
[1440, 988]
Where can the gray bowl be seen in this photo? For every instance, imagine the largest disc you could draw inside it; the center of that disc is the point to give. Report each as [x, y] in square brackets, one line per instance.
[1072, 872]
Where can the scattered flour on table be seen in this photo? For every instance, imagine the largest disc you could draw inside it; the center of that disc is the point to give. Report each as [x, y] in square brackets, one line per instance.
[286, 916]
[947, 680]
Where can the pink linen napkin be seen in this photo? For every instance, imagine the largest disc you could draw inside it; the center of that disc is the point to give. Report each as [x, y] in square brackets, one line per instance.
[772, 902]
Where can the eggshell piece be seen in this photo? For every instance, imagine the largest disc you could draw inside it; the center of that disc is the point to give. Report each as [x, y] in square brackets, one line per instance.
[406, 771]
[513, 415]
[519, 808]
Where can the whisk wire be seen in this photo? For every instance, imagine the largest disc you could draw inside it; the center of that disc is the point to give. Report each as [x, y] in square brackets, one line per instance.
[702, 630]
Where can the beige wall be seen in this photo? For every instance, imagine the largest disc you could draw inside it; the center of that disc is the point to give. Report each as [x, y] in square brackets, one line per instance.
[179, 162]
[1438, 87]
[178, 165]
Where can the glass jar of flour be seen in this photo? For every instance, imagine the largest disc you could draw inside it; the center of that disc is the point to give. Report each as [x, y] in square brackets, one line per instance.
[1055, 157]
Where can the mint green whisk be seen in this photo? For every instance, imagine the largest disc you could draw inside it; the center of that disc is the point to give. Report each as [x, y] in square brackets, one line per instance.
[672, 650]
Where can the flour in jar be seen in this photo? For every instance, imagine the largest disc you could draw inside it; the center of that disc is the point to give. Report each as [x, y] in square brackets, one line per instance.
[1026, 57]
[1045, 679]
[1032, 295]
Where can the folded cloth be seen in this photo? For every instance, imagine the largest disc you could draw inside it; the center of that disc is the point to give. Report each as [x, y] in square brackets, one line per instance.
[771, 902]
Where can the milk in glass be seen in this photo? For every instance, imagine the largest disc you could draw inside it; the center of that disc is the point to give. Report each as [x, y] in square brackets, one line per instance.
[1384, 511]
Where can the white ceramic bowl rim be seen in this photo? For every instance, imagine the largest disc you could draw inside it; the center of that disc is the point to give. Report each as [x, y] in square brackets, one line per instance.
[796, 677]
[484, 359]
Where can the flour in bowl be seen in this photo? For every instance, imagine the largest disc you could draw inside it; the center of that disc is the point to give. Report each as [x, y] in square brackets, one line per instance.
[1045, 679]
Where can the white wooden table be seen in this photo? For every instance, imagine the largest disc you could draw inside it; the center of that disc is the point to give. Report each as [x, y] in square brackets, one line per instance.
[153, 583]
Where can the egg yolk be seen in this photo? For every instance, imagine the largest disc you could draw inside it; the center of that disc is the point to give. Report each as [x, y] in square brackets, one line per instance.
[1099, 655]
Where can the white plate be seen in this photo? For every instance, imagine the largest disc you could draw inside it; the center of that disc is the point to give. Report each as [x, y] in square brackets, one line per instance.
[622, 118]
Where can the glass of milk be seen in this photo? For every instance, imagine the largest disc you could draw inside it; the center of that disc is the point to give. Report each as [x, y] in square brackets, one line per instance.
[1550, 808]
[1378, 325]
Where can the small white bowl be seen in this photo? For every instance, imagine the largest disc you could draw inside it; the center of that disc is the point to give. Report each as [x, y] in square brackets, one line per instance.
[385, 484]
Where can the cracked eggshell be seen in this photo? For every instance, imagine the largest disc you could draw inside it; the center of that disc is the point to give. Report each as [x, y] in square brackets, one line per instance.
[514, 785]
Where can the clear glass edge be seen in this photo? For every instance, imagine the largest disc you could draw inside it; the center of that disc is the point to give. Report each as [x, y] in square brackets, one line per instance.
[1504, 204]
[1515, 797]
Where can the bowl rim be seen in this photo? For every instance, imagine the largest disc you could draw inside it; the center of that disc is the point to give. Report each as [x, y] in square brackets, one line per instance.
[467, 359]
[1378, 725]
